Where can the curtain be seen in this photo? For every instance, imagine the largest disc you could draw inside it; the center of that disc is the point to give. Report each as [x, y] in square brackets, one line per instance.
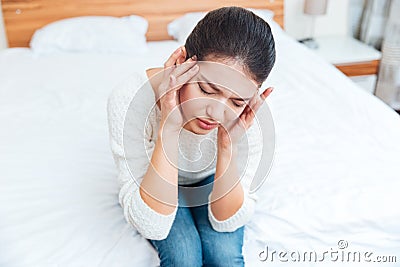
[388, 85]
[380, 27]
[356, 9]
[373, 23]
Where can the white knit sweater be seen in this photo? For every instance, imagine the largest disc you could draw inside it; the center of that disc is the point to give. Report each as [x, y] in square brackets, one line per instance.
[196, 160]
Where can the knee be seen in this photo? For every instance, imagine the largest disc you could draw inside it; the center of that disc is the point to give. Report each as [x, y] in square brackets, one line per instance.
[182, 253]
[225, 250]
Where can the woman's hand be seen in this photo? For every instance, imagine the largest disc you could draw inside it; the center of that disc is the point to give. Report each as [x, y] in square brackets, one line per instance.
[234, 132]
[175, 75]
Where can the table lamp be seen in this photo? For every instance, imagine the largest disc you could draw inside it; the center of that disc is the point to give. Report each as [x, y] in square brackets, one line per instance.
[313, 8]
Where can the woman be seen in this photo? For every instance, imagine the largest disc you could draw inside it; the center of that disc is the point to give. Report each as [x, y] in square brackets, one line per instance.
[186, 198]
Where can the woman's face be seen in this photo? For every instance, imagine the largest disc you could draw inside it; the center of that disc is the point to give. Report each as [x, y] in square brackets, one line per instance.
[218, 94]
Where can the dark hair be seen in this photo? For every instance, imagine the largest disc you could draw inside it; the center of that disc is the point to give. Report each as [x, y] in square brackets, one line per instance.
[236, 33]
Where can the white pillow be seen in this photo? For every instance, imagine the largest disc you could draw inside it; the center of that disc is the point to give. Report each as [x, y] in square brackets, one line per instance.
[181, 27]
[99, 34]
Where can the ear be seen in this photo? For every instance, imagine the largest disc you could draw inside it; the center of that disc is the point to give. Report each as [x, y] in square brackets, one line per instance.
[182, 58]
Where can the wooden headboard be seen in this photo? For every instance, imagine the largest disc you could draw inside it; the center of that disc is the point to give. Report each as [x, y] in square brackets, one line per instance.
[23, 17]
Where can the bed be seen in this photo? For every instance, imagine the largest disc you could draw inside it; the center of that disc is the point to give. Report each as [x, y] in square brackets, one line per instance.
[333, 186]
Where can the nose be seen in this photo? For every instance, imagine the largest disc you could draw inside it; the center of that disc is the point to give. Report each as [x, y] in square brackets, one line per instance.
[216, 110]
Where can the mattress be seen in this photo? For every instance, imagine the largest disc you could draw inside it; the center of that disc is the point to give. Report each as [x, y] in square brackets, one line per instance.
[333, 186]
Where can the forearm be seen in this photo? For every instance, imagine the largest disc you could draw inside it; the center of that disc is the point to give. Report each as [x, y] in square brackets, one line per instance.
[226, 176]
[158, 188]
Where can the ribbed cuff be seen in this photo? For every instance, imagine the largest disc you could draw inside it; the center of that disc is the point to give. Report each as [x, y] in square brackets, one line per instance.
[237, 220]
[151, 224]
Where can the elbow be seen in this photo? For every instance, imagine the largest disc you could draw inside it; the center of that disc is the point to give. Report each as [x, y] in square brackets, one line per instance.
[146, 227]
[149, 223]
[238, 220]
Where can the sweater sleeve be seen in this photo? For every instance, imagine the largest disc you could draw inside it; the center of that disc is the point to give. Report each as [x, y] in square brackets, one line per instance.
[252, 144]
[131, 138]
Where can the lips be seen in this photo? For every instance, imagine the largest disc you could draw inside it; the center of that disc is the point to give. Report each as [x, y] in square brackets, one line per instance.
[206, 125]
[207, 122]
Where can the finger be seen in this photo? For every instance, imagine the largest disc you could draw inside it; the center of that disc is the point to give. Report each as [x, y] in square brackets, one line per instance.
[184, 67]
[253, 107]
[172, 59]
[182, 57]
[244, 116]
[185, 77]
[175, 84]
[266, 93]
[249, 114]
[171, 84]
[171, 87]
[253, 102]
[259, 100]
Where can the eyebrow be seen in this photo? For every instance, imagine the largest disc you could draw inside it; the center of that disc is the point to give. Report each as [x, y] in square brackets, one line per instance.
[212, 85]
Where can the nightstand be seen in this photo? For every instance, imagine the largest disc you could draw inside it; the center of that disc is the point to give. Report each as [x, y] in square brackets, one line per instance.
[355, 59]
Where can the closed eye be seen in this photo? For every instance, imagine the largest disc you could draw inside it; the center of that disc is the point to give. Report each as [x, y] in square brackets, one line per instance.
[203, 91]
[238, 105]
[207, 93]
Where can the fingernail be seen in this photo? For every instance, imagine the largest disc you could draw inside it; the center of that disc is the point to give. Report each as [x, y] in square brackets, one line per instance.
[194, 57]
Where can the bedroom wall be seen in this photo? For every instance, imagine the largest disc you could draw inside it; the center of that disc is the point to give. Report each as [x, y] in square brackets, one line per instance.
[335, 22]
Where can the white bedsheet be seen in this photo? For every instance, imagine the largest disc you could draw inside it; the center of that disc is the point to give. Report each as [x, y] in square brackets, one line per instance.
[335, 175]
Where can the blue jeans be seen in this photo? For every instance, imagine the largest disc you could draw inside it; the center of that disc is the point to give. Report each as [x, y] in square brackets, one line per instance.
[193, 242]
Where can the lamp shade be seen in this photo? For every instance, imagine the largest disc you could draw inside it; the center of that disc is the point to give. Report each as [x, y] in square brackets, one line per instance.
[315, 7]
